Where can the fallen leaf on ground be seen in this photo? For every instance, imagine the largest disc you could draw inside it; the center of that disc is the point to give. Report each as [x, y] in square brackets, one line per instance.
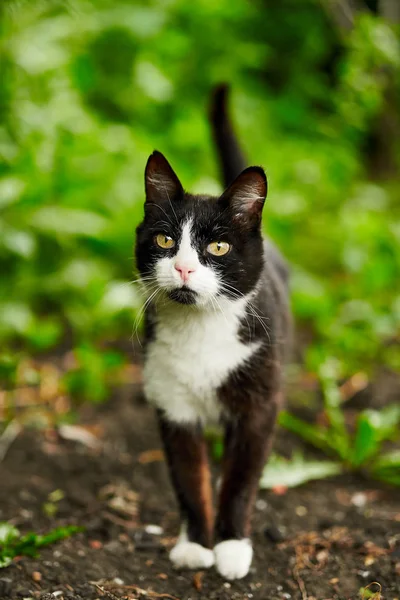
[150, 456]
[77, 433]
[198, 580]
[121, 499]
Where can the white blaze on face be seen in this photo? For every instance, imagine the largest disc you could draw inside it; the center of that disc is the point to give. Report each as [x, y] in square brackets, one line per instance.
[186, 256]
[202, 279]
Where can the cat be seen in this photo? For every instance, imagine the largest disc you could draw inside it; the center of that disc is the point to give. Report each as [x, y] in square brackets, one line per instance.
[216, 329]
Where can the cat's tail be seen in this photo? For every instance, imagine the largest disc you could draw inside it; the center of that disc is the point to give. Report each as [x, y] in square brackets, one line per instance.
[230, 155]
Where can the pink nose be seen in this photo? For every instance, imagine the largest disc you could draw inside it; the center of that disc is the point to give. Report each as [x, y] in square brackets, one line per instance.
[184, 271]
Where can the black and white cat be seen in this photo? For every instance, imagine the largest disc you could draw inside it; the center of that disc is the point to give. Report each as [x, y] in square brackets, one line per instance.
[217, 322]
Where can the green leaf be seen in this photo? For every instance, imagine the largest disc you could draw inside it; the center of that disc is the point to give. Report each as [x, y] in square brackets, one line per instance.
[60, 221]
[366, 442]
[296, 471]
[387, 468]
[338, 435]
[313, 434]
[8, 533]
[12, 544]
[11, 189]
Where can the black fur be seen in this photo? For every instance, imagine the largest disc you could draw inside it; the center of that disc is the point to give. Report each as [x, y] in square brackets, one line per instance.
[230, 155]
[251, 396]
[214, 218]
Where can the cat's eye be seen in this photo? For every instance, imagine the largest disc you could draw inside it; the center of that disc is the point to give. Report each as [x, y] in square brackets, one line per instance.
[164, 241]
[218, 248]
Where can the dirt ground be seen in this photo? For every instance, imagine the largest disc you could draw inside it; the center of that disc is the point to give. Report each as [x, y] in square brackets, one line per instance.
[324, 540]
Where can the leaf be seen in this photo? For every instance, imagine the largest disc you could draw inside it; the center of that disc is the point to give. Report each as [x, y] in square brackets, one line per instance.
[338, 435]
[7, 533]
[12, 544]
[366, 442]
[296, 471]
[313, 434]
[373, 427]
[68, 221]
[385, 421]
[11, 189]
[387, 468]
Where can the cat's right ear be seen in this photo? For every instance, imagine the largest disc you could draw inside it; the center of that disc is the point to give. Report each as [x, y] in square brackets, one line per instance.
[161, 182]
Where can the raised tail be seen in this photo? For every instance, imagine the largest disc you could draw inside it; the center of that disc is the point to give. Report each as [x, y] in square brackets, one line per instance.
[230, 156]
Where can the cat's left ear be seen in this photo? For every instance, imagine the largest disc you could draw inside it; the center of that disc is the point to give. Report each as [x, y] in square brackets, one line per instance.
[161, 182]
[246, 195]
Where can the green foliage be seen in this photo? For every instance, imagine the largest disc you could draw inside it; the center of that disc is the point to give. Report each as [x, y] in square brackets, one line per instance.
[89, 89]
[358, 450]
[296, 471]
[13, 544]
[95, 371]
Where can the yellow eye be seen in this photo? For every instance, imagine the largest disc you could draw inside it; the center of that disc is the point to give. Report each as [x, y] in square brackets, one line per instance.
[218, 248]
[164, 241]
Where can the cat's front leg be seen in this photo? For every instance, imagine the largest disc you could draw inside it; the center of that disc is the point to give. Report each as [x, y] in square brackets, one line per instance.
[247, 443]
[186, 455]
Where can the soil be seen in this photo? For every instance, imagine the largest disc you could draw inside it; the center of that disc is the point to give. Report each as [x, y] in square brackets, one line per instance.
[324, 540]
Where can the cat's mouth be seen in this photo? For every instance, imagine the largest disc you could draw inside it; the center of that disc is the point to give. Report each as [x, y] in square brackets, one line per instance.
[183, 295]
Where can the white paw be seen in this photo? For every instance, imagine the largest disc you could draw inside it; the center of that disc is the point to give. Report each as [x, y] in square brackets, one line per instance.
[189, 555]
[233, 558]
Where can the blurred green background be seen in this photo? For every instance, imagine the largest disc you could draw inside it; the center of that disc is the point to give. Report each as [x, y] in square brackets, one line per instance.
[89, 89]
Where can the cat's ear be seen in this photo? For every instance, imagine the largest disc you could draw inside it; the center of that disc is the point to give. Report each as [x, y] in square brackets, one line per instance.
[161, 181]
[246, 195]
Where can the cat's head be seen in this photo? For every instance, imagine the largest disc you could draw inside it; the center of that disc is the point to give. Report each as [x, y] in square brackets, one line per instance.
[193, 249]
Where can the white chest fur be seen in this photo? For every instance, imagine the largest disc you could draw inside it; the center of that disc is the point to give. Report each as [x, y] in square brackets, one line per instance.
[193, 353]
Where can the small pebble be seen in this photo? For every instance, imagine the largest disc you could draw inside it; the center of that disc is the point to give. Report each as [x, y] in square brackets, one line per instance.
[154, 529]
[261, 504]
[227, 585]
[301, 511]
[359, 499]
[286, 595]
[364, 574]
[118, 581]
[37, 576]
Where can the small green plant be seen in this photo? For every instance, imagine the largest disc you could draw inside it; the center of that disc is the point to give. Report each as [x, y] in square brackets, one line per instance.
[358, 450]
[287, 473]
[367, 592]
[13, 544]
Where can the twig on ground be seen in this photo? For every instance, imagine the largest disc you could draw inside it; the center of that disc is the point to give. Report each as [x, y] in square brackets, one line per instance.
[377, 595]
[107, 587]
[298, 579]
[106, 592]
[148, 593]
